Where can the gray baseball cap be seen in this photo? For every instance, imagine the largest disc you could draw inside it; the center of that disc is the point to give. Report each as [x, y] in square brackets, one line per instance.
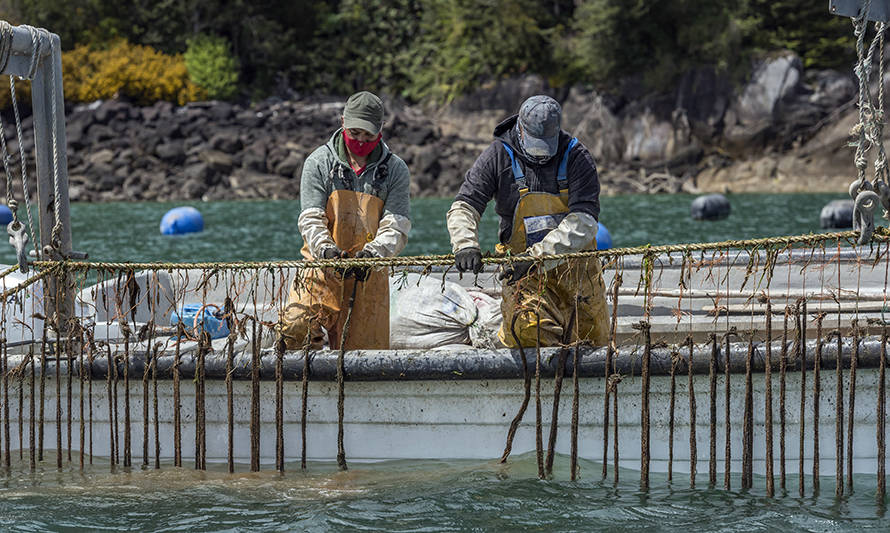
[539, 119]
[363, 110]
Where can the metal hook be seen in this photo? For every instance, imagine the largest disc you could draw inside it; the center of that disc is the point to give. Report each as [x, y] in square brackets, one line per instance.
[18, 238]
[863, 215]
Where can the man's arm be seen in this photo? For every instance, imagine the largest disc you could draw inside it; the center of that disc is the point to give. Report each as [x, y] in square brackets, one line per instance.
[479, 187]
[392, 233]
[313, 222]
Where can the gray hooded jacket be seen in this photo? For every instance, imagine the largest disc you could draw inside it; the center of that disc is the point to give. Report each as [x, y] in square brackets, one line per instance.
[327, 169]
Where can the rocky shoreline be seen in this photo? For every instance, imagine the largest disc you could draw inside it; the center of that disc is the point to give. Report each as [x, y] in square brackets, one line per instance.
[784, 130]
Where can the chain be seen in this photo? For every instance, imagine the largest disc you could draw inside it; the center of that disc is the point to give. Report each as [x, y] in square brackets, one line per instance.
[869, 131]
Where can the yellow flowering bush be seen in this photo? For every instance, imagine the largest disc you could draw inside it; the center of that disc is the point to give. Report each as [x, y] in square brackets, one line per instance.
[139, 73]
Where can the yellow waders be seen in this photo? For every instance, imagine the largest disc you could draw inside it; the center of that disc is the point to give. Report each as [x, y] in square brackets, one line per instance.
[549, 298]
[319, 298]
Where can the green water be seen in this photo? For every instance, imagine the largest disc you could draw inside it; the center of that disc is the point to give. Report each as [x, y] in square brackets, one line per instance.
[413, 495]
[416, 496]
[267, 230]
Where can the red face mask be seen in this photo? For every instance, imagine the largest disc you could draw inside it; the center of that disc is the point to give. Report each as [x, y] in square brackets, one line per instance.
[360, 148]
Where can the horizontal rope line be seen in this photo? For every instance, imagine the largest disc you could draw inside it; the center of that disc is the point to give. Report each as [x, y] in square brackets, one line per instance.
[881, 235]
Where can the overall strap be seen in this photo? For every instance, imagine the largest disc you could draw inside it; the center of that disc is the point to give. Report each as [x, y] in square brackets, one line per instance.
[561, 173]
[518, 174]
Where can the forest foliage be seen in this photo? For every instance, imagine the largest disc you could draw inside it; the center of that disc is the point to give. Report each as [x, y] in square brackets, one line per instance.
[434, 49]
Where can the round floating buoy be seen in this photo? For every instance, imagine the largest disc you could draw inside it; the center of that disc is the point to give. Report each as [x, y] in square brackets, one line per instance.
[837, 214]
[5, 215]
[181, 220]
[603, 238]
[710, 207]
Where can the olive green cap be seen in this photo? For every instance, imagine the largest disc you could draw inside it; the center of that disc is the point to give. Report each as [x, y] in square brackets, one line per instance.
[364, 110]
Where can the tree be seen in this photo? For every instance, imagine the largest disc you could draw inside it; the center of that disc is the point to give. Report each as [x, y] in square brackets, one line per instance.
[658, 39]
[464, 43]
[821, 39]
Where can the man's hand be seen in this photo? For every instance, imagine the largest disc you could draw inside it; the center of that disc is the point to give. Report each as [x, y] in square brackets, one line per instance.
[332, 252]
[517, 270]
[468, 260]
[360, 273]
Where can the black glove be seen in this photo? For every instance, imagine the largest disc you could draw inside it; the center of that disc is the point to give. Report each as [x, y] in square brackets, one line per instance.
[517, 270]
[332, 252]
[360, 273]
[468, 260]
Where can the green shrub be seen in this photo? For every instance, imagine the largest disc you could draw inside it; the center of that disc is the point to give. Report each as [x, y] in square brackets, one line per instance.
[212, 67]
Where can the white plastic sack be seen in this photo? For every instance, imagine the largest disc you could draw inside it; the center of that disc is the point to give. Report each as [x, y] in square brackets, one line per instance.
[426, 314]
[484, 331]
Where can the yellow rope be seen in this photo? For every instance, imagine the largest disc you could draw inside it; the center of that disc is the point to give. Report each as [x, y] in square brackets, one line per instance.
[881, 234]
[30, 281]
[8, 271]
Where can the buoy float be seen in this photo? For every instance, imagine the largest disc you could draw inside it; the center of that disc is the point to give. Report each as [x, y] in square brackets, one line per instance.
[603, 238]
[5, 215]
[181, 220]
[837, 214]
[710, 207]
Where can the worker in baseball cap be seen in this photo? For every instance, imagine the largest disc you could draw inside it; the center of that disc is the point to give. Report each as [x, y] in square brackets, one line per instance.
[545, 189]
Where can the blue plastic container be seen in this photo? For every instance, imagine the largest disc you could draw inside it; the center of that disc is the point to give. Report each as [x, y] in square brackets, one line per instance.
[603, 238]
[181, 220]
[212, 320]
[5, 215]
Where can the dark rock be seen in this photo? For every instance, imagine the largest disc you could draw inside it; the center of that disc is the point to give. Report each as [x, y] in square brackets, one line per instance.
[752, 114]
[710, 207]
[704, 95]
[112, 110]
[250, 119]
[101, 157]
[289, 166]
[99, 133]
[156, 111]
[837, 214]
[104, 179]
[217, 161]
[194, 189]
[254, 158]
[200, 172]
[225, 141]
[221, 111]
[172, 153]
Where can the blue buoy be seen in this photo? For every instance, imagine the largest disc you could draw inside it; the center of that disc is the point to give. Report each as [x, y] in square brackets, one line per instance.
[5, 215]
[181, 220]
[603, 238]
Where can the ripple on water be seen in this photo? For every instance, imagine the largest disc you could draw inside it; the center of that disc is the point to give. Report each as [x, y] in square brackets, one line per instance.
[412, 496]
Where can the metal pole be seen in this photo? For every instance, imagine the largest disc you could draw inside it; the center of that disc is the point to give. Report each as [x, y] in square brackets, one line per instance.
[52, 164]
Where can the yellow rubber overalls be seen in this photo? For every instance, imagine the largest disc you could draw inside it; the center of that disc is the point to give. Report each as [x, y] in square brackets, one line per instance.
[319, 298]
[571, 295]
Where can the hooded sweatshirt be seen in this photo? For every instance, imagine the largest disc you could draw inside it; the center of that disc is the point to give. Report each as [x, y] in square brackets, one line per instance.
[327, 169]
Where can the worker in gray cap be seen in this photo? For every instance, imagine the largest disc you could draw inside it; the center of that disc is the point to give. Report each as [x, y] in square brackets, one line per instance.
[546, 193]
[354, 199]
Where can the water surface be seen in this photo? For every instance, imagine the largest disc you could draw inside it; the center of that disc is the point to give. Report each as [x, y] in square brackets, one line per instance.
[267, 230]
